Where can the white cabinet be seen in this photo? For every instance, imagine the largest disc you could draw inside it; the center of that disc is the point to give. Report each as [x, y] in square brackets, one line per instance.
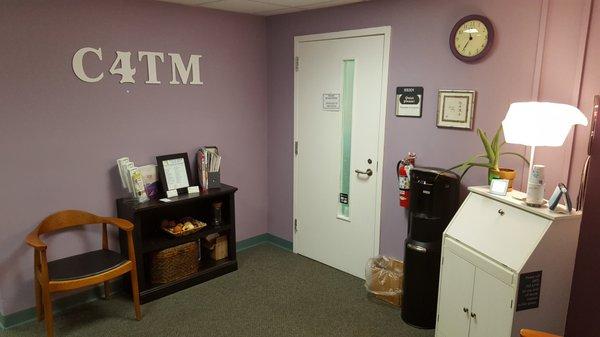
[505, 266]
[491, 311]
[456, 296]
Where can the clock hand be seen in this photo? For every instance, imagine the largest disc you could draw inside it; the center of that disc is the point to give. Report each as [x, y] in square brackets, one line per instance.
[470, 38]
[465, 46]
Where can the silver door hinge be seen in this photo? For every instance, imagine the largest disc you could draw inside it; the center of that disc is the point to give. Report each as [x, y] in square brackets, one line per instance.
[296, 225]
[296, 147]
[297, 63]
[511, 303]
[442, 260]
[438, 317]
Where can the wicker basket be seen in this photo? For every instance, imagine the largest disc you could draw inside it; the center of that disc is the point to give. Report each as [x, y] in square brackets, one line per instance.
[174, 263]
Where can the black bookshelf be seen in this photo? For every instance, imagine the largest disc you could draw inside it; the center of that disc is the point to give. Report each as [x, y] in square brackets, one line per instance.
[148, 236]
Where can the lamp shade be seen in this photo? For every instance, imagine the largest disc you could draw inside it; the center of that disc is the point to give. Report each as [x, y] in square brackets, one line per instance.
[540, 123]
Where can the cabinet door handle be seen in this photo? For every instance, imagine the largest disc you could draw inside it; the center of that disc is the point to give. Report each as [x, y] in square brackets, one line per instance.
[474, 315]
[501, 211]
[466, 310]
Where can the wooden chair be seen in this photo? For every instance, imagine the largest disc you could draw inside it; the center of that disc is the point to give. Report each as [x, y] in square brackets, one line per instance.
[533, 333]
[81, 270]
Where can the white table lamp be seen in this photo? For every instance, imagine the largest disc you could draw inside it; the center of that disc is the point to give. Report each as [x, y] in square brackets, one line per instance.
[540, 124]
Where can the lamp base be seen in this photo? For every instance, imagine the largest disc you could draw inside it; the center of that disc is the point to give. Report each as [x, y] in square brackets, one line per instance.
[518, 195]
[544, 203]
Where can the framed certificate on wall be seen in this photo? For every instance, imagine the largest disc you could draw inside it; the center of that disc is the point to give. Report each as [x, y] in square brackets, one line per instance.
[456, 109]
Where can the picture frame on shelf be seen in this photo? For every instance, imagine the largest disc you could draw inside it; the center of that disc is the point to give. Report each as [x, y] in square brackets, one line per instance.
[456, 109]
[174, 172]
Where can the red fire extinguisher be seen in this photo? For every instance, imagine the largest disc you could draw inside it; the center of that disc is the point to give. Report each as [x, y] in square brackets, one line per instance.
[403, 171]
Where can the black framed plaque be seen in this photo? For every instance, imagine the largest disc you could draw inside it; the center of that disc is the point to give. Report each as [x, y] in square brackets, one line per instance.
[530, 286]
[409, 102]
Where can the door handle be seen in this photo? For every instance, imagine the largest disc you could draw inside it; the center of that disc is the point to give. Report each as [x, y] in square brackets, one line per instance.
[474, 315]
[368, 172]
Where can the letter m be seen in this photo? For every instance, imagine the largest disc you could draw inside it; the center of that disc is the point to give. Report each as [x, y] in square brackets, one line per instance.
[193, 67]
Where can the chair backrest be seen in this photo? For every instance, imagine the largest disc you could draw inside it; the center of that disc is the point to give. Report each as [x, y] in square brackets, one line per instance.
[67, 219]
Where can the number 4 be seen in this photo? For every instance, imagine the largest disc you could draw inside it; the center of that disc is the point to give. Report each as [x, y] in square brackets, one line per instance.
[125, 69]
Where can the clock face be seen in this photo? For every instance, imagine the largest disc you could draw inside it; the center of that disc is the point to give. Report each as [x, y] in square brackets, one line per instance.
[471, 38]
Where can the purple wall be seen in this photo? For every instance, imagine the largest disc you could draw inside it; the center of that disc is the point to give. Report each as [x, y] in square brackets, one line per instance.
[585, 307]
[60, 137]
[419, 56]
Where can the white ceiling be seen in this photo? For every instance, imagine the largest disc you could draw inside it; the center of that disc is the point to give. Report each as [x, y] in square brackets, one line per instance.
[264, 7]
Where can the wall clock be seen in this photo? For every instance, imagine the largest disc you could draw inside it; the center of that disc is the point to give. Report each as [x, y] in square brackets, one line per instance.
[472, 38]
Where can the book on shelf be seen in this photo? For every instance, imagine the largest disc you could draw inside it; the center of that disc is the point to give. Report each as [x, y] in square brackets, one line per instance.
[141, 182]
[151, 182]
[209, 164]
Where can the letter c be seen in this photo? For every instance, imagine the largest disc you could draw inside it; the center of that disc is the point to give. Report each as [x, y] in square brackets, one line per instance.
[78, 64]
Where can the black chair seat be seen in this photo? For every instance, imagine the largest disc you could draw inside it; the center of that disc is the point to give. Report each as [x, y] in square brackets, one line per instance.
[84, 265]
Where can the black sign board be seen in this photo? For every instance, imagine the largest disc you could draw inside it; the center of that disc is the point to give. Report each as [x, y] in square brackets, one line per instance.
[344, 198]
[530, 285]
[409, 101]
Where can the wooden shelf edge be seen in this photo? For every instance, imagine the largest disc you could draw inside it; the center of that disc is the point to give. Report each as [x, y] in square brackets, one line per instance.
[220, 268]
[164, 241]
[136, 206]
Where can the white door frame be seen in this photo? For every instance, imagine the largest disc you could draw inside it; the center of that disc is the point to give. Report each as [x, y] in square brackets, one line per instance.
[386, 32]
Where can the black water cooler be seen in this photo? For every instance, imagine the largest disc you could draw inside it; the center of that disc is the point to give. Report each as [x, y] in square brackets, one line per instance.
[433, 201]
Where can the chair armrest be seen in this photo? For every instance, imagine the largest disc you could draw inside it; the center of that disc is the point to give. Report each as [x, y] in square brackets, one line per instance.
[34, 241]
[533, 333]
[121, 223]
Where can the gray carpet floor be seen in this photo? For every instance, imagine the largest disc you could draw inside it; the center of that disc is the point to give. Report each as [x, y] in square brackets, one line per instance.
[274, 293]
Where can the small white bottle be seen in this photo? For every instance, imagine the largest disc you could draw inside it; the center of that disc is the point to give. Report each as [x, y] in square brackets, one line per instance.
[536, 186]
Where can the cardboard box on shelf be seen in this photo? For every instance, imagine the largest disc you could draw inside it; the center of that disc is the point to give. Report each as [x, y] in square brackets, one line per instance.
[217, 245]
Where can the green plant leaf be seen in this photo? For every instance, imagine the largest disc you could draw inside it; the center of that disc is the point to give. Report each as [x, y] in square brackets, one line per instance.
[471, 166]
[516, 154]
[464, 165]
[487, 146]
[488, 165]
[494, 144]
[496, 147]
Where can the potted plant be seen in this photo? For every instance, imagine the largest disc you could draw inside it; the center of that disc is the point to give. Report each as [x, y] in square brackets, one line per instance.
[492, 154]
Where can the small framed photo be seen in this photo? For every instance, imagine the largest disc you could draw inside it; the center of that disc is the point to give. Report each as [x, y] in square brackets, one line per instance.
[174, 172]
[499, 187]
[456, 109]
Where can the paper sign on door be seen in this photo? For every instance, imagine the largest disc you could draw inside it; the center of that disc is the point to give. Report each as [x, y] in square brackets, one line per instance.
[331, 102]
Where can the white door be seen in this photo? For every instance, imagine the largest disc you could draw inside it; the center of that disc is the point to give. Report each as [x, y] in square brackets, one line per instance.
[455, 296]
[340, 85]
[492, 309]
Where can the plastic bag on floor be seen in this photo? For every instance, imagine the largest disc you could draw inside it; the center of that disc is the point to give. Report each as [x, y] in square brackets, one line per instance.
[383, 278]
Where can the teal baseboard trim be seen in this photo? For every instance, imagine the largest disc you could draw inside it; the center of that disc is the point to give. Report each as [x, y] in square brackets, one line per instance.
[281, 243]
[93, 294]
[59, 305]
[262, 239]
[251, 242]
